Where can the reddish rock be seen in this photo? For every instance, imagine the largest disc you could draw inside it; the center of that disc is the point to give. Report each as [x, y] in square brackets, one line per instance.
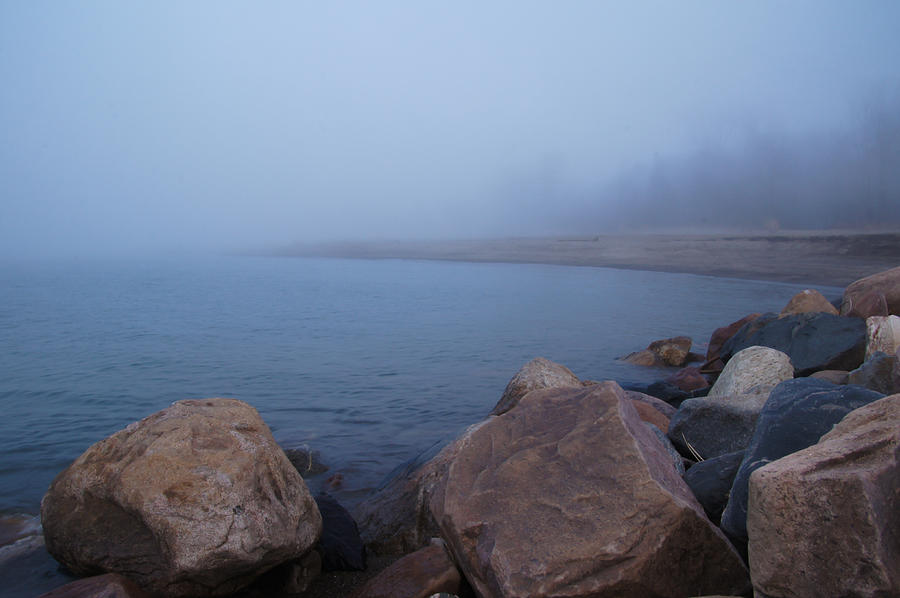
[651, 415]
[537, 373]
[110, 585]
[882, 334]
[658, 404]
[807, 301]
[688, 379]
[721, 335]
[887, 283]
[865, 305]
[571, 494]
[418, 575]
[195, 500]
[825, 520]
[833, 376]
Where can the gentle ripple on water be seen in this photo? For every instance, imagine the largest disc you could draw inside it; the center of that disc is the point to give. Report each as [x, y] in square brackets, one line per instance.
[368, 362]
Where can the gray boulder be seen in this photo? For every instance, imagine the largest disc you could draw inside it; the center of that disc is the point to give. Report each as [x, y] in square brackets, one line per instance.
[713, 427]
[711, 481]
[754, 369]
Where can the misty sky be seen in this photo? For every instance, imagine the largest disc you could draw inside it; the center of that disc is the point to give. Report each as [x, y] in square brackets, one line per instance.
[217, 125]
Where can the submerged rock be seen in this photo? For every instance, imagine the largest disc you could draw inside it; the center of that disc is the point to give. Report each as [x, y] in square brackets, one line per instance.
[570, 494]
[825, 520]
[195, 500]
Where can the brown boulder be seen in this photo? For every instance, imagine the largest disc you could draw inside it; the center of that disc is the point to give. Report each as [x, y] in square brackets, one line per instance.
[688, 379]
[651, 415]
[834, 376]
[195, 500]
[666, 352]
[865, 305]
[721, 335]
[808, 301]
[658, 404]
[825, 520]
[537, 373]
[418, 575]
[887, 283]
[571, 494]
[110, 585]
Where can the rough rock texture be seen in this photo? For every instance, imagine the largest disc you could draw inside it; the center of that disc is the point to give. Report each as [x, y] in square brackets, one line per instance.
[110, 585]
[721, 335]
[340, 546]
[711, 480]
[809, 301]
[826, 520]
[537, 373]
[677, 459]
[865, 305]
[887, 283]
[425, 572]
[195, 500]
[882, 334]
[395, 519]
[714, 427]
[754, 369]
[813, 341]
[880, 373]
[658, 404]
[796, 415]
[688, 379]
[833, 376]
[651, 415]
[672, 351]
[570, 494]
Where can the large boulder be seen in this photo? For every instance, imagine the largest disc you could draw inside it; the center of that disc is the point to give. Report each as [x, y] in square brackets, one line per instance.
[809, 301]
[882, 334]
[688, 379]
[754, 369]
[797, 413]
[711, 427]
[720, 336]
[813, 341]
[570, 494]
[195, 500]
[825, 520]
[340, 545]
[537, 373]
[880, 372]
[886, 283]
[673, 351]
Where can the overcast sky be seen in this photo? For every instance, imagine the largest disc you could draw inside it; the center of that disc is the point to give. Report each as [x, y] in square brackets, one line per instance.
[128, 126]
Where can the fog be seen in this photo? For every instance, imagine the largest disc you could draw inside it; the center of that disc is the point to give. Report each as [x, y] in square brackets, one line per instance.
[174, 126]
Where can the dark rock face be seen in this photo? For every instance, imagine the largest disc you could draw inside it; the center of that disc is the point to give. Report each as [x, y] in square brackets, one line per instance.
[711, 481]
[826, 520]
[340, 546]
[797, 414]
[878, 373]
[712, 427]
[425, 572]
[813, 341]
[307, 462]
[110, 585]
[570, 494]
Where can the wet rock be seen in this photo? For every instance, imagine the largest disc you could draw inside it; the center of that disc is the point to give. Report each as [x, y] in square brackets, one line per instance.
[809, 301]
[721, 335]
[110, 585]
[797, 413]
[886, 283]
[306, 461]
[537, 373]
[688, 379]
[672, 351]
[714, 427]
[421, 574]
[668, 392]
[880, 373]
[813, 341]
[340, 545]
[711, 481]
[754, 369]
[571, 494]
[195, 500]
[825, 520]
[882, 334]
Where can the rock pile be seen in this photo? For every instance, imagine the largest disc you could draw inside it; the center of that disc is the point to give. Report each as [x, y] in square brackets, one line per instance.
[778, 482]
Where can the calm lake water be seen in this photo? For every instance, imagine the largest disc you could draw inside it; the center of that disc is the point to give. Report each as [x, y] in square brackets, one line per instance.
[367, 362]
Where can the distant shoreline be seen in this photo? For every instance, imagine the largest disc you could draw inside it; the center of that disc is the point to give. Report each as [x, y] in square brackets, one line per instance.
[834, 258]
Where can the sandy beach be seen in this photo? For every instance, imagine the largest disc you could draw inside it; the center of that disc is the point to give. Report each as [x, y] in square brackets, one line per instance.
[806, 257]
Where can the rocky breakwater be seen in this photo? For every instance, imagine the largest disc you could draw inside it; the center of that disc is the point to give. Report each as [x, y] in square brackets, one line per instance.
[195, 500]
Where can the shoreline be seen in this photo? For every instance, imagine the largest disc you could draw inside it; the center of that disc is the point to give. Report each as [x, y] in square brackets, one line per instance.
[833, 258]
